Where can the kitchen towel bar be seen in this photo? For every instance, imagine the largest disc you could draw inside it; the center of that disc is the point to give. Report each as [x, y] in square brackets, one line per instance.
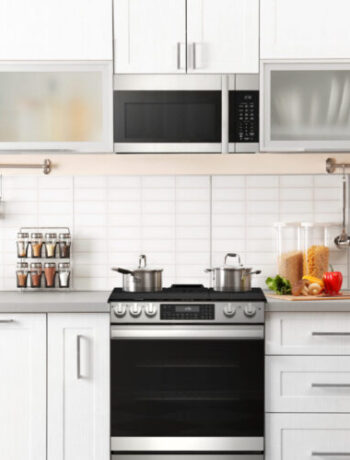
[46, 166]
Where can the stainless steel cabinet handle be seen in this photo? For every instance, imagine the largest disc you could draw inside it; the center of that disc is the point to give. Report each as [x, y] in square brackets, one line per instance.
[330, 333]
[194, 57]
[330, 385]
[7, 320]
[330, 454]
[79, 376]
[178, 56]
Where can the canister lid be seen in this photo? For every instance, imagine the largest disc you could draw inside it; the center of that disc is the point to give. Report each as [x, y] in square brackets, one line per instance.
[63, 265]
[50, 235]
[36, 235]
[50, 265]
[22, 235]
[64, 236]
[36, 265]
[22, 265]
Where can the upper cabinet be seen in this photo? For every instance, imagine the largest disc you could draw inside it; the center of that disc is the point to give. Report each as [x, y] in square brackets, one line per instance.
[222, 36]
[193, 36]
[299, 29]
[56, 29]
[150, 36]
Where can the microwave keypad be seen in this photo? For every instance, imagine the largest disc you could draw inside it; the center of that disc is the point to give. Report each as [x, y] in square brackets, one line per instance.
[244, 116]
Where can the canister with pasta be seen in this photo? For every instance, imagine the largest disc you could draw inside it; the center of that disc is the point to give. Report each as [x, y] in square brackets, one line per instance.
[316, 249]
[288, 251]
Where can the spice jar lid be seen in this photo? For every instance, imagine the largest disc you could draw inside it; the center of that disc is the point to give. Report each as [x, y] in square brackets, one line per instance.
[50, 265]
[36, 265]
[64, 265]
[22, 265]
[50, 235]
[64, 236]
[36, 235]
[22, 235]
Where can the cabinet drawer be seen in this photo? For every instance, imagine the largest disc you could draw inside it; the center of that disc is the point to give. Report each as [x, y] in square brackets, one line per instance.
[307, 384]
[307, 436]
[308, 333]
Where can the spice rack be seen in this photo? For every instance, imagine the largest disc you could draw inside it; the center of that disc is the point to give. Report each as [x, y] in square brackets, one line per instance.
[44, 259]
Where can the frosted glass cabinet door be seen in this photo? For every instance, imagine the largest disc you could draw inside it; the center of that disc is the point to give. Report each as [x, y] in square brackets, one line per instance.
[223, 36]
[305, 106]
[56, 106]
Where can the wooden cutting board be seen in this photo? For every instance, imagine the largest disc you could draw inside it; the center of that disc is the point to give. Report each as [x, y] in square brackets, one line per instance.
[302, 298]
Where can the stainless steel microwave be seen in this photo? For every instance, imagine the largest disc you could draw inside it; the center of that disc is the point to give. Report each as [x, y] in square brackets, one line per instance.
[186, 113]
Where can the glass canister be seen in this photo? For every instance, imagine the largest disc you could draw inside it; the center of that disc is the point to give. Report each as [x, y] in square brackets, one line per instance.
[36, 244]
[64, 244]
[63, 275]
[22, 274]
[36, 270]
[316, 249]
[22, 244]
[289, 252]
[50, 245]
[50, 274]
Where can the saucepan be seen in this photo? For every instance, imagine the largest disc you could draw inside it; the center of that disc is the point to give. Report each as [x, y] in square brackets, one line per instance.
[142, 278]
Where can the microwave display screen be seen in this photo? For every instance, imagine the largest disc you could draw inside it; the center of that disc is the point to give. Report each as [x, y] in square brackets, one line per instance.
[244, 116]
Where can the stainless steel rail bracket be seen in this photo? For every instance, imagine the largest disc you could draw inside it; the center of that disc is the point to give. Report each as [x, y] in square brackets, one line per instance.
[332, 165]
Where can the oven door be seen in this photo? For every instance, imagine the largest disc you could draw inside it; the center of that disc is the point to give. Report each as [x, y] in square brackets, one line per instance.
[167, 114]
[187, 388]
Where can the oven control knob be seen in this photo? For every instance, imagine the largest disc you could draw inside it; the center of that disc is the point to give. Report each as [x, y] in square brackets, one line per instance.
[250, 310]
[150, 309]
[135, 310]
[229, 310]
[119, 309]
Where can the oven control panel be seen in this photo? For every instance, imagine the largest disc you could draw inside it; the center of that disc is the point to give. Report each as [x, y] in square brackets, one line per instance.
[182, 312]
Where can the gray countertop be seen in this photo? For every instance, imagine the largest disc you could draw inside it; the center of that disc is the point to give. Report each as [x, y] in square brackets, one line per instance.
[96, 301]
[54, 302]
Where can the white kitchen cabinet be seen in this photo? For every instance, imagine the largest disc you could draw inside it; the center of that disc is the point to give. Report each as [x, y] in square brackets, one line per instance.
[307, 384]
[150, 36]
[223, 36]
[78, 386]
[307, 436]
[23, 386]
[299, 29]
[56, 105]
[56, 29]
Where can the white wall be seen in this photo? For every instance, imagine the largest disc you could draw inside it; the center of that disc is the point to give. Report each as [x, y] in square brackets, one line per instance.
[183, 223]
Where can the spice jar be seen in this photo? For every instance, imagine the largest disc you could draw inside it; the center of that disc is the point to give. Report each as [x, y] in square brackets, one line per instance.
[63, 274]
[36, 244]
[36, 270]
[22, 244]
[50, 274]
[50, 245]
[22, 274]
[64, 245]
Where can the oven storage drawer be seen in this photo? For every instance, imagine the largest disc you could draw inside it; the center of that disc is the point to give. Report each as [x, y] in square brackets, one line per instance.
[307, 436]
[318, 333]
[185, 457]
[307, 384]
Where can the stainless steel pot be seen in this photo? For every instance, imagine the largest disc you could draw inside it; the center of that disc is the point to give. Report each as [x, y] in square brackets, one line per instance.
[232, 277]
[142, 279]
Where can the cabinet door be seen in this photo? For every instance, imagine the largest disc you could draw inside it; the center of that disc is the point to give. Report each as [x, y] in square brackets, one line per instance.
[23, 386]
[223, 36]
[150, 36]
[55, 29]
[302, 29]
[78, 386]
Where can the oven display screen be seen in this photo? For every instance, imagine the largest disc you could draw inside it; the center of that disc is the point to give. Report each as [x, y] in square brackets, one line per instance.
[187, 312]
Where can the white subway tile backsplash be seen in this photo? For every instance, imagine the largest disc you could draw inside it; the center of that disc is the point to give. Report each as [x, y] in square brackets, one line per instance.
[86, 194]
[228, 207]
[192, 194]
[228, 194]
[228, 181]
[90, 182]
[296, 207]
[296, 194]
[158, 181]
[262, 181]
[158, 194]
[262, 207]
[330, 180]
[158, 207]
[124, 181]
[296, 181]
[262, 194]
[192, 207]
[192, 182]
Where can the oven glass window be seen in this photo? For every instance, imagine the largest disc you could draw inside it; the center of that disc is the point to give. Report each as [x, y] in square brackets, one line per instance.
[167, 116]
[187, 388]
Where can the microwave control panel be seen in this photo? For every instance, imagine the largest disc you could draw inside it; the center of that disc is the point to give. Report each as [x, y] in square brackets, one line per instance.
[244, 116]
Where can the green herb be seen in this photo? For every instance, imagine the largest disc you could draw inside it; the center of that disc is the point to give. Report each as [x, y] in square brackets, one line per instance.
[279, 284]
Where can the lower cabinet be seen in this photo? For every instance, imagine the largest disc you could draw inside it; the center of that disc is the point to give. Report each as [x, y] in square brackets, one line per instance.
[23, 386]
[78, 387]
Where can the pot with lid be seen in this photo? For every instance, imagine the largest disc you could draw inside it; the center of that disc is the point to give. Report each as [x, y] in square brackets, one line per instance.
[230, 277]
[141, 279]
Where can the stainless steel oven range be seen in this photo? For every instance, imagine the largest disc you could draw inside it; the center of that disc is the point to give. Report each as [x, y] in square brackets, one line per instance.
[187, 374]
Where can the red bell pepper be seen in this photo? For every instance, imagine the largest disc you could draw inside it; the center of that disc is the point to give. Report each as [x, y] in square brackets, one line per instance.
[332, 282]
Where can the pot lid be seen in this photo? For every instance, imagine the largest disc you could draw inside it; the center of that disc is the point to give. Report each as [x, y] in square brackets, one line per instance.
[237, 265]
[143, 267]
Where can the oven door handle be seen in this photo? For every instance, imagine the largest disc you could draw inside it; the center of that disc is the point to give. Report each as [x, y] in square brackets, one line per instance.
[187, 332]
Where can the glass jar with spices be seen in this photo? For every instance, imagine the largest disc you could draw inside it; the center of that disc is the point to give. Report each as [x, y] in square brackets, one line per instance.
[50, 274]
[36, 244]
[50, 245]
[64, 245]
[36, 270]
[64, 275]
[22, 274]
[22, 244]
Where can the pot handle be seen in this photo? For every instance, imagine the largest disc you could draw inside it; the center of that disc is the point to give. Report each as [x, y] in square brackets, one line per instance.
[208, 270]
[123, 271]
[255, 272]
[142, 261]
[232, 254]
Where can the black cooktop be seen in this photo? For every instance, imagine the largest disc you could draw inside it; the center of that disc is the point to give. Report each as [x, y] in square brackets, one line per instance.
[187, 292]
